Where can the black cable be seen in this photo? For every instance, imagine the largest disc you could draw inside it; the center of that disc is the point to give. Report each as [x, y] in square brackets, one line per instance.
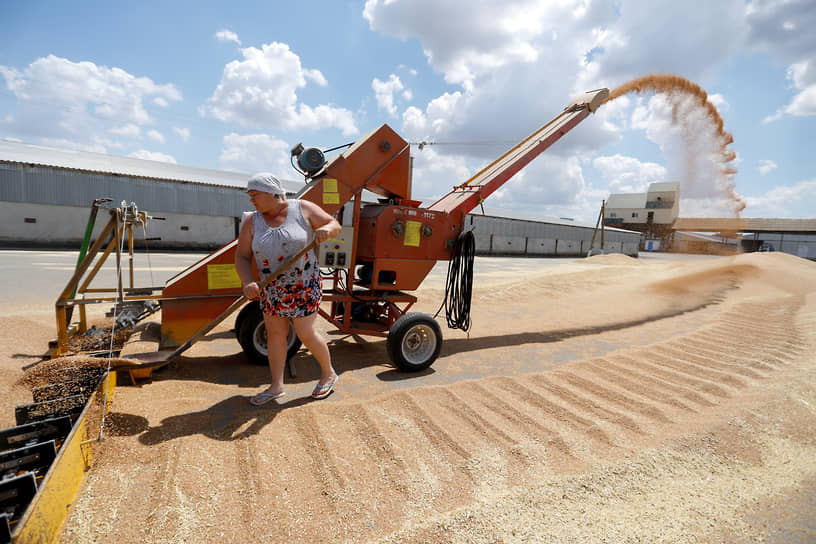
[292, 162]
[339, 147]
[344, 284]
[459, 286]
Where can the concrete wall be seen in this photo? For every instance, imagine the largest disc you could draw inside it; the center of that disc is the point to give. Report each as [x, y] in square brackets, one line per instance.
[514, 245]
[630, 248]
[47, 225]
[540, 246]
[501, 236]
[568, 247]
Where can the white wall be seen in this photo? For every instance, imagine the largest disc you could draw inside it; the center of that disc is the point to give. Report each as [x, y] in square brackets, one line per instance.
[625, 214]
[541, 246]
[569, 247]
[508, 244]
[58, 225]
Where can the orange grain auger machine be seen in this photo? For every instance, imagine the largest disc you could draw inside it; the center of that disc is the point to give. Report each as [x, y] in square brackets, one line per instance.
[386, 248]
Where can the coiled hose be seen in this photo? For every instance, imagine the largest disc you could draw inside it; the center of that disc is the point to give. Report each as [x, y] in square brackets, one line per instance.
[459, 286]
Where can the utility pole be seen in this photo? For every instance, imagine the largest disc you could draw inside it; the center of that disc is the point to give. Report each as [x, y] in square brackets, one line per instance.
[598, 222]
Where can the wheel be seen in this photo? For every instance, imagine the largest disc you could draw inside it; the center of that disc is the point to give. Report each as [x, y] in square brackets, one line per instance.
[414, 342]
[251, 332]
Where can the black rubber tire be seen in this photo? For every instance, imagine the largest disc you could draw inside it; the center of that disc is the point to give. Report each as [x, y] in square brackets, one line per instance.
[251, 332]
[249, 307]
[414, 342]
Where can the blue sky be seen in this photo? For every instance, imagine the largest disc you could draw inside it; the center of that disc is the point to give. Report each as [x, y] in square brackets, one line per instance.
[234, 86]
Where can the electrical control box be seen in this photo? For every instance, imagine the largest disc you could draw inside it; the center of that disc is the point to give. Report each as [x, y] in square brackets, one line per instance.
[336, 252]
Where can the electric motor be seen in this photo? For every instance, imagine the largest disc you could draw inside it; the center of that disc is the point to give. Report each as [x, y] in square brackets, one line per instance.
[311, 160]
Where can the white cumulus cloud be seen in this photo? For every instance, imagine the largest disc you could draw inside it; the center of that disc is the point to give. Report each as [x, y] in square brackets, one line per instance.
[766, 167]
[434, 175]
[783, 201]
[255, 153]
[261, 90]
[80, 102]
[156, 136]
[111, 92]
[550, 185]
[184, 133]
[129, 130]
[784, 28]
[628, 174]
[227, 36]
[802, 76]
[512, 66]
[464, 40]
[384, 92]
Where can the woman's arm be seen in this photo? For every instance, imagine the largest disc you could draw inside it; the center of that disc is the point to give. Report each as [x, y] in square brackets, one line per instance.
[243, 261]
[324, 225]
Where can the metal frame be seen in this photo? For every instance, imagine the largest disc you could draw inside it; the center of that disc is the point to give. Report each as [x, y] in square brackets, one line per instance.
[346, 297]
[118, 228]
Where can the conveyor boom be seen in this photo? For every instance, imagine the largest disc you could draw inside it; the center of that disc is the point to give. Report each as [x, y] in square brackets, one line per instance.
[473, 192]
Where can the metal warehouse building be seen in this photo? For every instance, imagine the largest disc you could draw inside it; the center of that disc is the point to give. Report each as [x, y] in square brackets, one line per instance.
[497, 235]
[46, 194]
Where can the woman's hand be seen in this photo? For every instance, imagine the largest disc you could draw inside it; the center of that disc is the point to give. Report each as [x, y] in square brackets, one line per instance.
[324, 225]
[252, 291]
[323, 233]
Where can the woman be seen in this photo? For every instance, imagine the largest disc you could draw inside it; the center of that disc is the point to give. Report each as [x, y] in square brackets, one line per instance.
[277, 231]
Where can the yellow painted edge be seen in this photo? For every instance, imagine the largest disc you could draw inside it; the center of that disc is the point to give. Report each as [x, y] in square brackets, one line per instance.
[43, 519]
[140, 373]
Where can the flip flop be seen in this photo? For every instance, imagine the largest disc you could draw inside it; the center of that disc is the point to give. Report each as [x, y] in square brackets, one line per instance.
[264, 397]
[323, 391]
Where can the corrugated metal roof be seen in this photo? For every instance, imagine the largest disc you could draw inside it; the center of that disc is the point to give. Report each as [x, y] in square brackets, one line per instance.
[16, 152]
[744, 224]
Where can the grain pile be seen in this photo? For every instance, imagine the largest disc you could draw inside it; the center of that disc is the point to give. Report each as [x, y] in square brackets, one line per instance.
[59, 369]
[99, 338]
[605, 400]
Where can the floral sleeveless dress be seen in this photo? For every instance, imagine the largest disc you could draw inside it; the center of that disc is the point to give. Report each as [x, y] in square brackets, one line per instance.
[296, 292]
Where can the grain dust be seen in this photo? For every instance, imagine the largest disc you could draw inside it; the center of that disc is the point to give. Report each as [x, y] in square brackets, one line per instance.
[687, 99]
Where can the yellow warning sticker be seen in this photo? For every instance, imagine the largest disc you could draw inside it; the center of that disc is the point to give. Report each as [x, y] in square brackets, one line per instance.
[222, 276]
[412, 233]
[330, 194]
[329, 185]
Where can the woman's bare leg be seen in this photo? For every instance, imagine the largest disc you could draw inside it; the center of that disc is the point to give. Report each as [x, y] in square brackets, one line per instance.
[316, 344]
[277, 329]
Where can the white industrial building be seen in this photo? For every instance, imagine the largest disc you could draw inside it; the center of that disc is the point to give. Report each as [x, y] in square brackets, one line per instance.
[46, 195]
[656, 214]
[651, 213]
